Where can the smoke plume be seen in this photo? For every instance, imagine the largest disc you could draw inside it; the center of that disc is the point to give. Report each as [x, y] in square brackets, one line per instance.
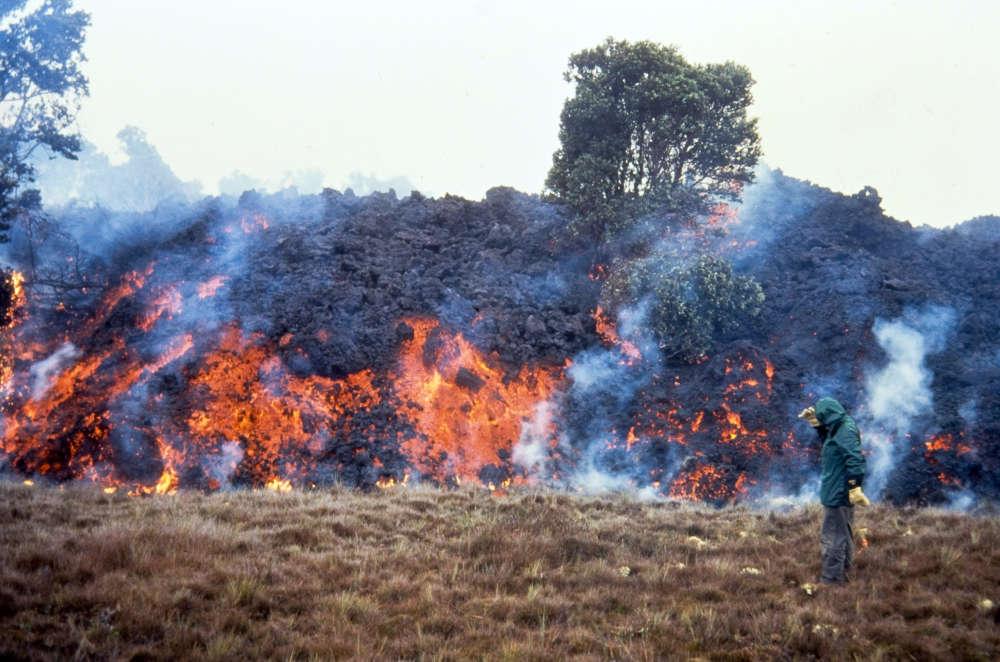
[899, 393]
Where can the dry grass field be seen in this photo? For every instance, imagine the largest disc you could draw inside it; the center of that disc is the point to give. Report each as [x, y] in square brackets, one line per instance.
[424, 574]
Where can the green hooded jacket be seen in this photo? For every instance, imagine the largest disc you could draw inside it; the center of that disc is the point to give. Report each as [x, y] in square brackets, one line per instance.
[843, 465]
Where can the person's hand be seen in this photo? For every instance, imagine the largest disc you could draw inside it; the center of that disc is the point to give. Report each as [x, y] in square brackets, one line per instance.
[857, 497]
[809, 416]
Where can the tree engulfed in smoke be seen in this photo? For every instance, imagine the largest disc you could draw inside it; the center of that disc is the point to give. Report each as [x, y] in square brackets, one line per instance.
[899, 393]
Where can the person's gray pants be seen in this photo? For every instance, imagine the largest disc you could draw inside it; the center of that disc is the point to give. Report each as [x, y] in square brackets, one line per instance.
[836, 539]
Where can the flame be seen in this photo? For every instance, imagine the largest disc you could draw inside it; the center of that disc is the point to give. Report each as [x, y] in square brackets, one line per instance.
[389, 482]
[501, 490]
[465, 409]
[18, 299]
[168, 481]
[608, 332]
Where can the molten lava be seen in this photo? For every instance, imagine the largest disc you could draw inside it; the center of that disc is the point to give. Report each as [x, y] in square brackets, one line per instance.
[608, 332]
[281, 422]
[705, 482]
[467, 412]
[208, 289]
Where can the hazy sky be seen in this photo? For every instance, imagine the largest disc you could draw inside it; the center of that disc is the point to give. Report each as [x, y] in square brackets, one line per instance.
[463, 96]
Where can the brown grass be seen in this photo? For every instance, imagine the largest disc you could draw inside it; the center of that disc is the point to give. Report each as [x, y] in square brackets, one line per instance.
[418, 574]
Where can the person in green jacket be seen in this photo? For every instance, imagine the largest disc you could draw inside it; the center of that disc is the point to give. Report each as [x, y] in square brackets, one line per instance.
[843, 471]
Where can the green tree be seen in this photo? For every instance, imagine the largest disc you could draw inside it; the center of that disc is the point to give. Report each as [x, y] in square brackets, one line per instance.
[692, 305]
[41, 85]
[645, 129]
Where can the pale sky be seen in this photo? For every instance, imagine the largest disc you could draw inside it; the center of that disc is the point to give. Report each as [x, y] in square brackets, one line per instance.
[463, 96]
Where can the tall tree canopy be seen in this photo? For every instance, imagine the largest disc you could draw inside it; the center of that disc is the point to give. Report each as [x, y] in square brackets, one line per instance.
[645, 128]
[41, 85]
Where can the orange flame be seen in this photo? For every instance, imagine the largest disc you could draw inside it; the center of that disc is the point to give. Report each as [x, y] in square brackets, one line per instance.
[278, 485]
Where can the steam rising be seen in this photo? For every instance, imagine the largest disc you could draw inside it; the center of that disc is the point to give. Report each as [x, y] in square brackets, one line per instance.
[603, 382]
[899, 393]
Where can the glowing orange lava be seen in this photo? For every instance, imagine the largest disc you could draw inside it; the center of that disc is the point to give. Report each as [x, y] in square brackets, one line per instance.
[608, 332]
[943, 443]
[465, 409]
[8, 325]
[706, 482]
[254, 223]
[166, 305]
[211, 286]
[246, 396]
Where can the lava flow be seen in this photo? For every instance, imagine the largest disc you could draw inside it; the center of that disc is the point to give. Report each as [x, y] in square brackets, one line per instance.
[466, 410]
[278, 423]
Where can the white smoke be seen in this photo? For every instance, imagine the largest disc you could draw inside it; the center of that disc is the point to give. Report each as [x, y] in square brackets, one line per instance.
[222, 466]
[531, 452]
[901, 389]
[899, 393]
[781, 499]
[44, 372]
[609, 376]
[594, 481]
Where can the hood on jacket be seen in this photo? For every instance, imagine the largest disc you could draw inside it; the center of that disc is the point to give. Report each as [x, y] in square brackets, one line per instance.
[829, 412]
